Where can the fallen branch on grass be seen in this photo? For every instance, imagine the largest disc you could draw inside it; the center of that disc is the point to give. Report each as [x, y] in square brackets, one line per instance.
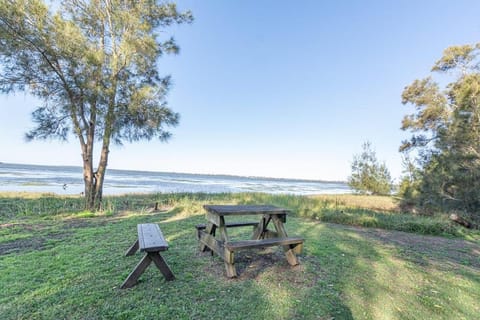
[457, 219]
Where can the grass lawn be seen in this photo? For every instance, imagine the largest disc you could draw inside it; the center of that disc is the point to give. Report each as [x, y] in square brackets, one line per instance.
[70, 264]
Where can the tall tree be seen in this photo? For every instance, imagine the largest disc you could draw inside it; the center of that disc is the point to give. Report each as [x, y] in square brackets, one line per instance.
[93, 64]
[368, 174]
[446, 131]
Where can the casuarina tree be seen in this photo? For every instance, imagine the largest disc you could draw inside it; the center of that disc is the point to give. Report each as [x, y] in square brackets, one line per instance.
[93, 66]
[446, 132]
[369, 176]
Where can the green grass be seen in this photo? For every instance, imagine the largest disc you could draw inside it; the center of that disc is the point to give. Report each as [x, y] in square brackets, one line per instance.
[356, 210]
[70, 265]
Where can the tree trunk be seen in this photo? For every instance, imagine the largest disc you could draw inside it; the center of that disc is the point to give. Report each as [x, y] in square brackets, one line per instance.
[89, 175]
[100, 176]
[89, 181]
[94, 184]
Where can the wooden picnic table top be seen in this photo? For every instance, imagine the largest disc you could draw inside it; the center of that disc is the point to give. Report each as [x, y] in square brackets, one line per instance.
[231, 210]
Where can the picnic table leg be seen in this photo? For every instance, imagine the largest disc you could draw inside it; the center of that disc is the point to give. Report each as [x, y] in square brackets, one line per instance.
[261, 229]
[289, 252]
[137, 272]
[162, 265]
[228, 255]
[210, 229]
[230, 264]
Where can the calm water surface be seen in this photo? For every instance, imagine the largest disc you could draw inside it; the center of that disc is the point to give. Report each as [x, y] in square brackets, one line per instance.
[68, 180]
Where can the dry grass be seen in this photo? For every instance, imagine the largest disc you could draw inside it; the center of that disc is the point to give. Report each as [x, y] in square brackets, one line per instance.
[377, 203]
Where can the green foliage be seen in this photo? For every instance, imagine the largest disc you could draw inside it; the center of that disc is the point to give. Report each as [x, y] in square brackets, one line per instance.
[368, 175]
[93, 64]
[446, 128]
[409, 184]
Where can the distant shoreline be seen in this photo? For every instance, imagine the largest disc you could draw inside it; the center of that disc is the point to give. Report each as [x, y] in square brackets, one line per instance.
[65, 180]
[218, 175]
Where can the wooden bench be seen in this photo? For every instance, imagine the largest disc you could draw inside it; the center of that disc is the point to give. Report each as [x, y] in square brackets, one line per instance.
[151, 241]
[294, 243]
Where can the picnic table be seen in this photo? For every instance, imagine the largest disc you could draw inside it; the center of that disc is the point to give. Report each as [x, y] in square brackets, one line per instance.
[221, 244]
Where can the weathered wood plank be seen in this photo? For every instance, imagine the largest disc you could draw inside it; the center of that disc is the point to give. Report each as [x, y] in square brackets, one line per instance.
[210, 241]
[223, 230]
[210, 229]
[217, 247]
[288, 249]
[212, 218]
[136, 273]
[279, 226]
[229, 210]
[132, 249]
[291, 257]
[262, 236]
[246, 244]
[202, 226]
[258, 232]
[150, 238]
[162, 265]
[270, 234]
[231, 270]
[298, 249]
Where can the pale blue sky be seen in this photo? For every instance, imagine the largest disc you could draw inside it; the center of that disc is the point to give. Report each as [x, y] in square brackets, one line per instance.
[279, 88]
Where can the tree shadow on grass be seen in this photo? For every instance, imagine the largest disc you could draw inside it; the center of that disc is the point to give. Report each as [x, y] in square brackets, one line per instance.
[398, 276]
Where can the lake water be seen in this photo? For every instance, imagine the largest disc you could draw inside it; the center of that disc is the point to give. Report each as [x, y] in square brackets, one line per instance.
[69, 180]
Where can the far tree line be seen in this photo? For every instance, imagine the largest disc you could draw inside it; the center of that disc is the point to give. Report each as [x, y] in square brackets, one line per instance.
[441, 160]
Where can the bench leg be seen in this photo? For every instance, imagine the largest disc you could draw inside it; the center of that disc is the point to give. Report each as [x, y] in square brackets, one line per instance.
[143, 265]
[132, 249]
[162, 265]
[137, 272]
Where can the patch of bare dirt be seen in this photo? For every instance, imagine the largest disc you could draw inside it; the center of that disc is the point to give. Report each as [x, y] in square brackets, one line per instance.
[40, 241]
[254, 264]
[420, 247]
[26, 226]
[29, 244]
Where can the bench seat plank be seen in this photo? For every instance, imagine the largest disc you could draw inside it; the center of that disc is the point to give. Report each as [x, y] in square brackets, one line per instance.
[150, 238]
[246, 244]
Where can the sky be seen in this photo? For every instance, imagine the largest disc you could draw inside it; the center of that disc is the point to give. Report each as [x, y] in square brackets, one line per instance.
[285, 89]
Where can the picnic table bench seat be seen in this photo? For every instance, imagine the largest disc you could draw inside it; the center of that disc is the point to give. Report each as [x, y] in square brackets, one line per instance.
[151, 241]
[292, 242]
